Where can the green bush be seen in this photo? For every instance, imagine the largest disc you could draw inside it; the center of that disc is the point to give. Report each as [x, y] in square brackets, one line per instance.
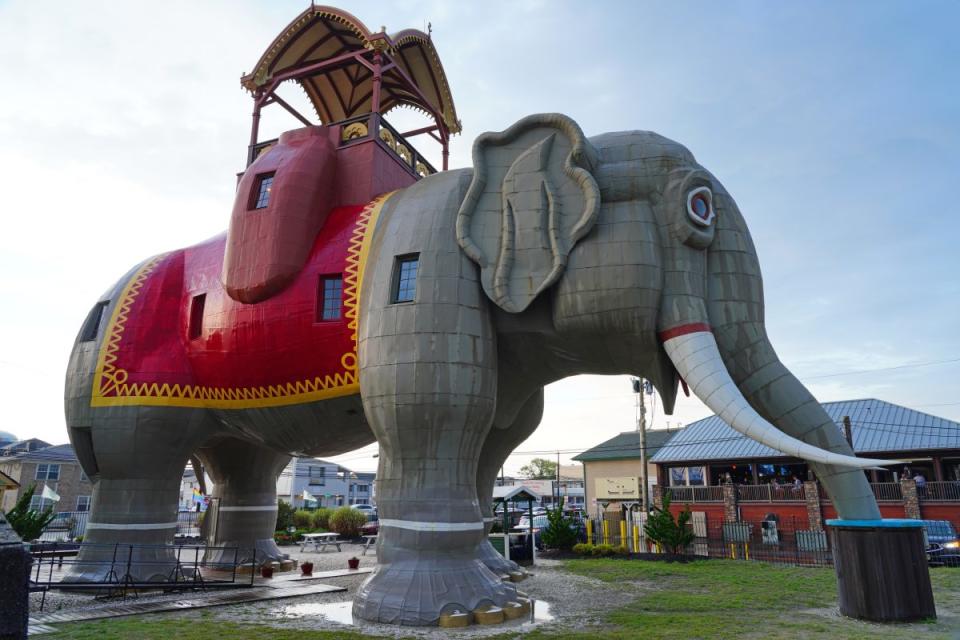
[321, 518]
[347, 521]
[303, 519]
[674, 535]
[603, 550]
[583, 549]
[284, 515]
[27, 522]
[558, 533]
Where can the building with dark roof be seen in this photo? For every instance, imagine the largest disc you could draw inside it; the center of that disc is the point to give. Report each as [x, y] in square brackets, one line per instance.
[878, 429]
[611, 470]
[55, 467]
[697, 461]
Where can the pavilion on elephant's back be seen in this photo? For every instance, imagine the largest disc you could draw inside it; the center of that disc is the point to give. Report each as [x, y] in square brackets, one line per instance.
[352, 76]
[304, 212]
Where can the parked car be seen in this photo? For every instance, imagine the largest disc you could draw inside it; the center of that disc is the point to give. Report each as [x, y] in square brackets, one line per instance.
[370, 529]
[943, 545]
[542, 522]
[367, 509]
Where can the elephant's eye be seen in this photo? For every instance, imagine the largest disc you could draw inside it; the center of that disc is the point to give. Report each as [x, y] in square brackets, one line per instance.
[700, 206]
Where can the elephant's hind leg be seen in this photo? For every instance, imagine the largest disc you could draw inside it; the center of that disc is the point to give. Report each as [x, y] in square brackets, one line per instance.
[245, 485]
[499, 444]
[136, 457]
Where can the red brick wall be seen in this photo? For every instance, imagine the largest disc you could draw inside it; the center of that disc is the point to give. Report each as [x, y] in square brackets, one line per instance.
[949, 512]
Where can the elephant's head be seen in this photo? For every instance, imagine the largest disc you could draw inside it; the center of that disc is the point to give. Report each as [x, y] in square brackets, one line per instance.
[629, 237]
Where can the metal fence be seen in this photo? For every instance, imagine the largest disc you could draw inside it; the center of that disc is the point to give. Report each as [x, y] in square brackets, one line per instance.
[786, 541]
[60, 565]
[70, 525]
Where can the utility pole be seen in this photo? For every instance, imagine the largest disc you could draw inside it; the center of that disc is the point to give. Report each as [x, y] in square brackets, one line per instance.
[638, 388]
[556, 502]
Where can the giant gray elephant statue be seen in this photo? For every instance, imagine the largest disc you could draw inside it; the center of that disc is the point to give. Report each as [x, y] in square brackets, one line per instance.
[554, 256]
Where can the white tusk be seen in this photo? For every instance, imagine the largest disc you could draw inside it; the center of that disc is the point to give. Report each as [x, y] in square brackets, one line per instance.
[698, 361]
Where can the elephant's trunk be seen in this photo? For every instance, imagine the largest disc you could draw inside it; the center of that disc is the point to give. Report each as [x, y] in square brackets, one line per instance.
[735, 309]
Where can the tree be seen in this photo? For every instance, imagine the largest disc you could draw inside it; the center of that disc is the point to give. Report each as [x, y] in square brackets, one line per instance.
[347, 521]
[675, 535]
[284, 515]
[539, 469]
[559, 532]
[27, 522]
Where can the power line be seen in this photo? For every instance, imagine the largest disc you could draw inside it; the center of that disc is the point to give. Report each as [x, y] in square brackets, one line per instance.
[909, 365]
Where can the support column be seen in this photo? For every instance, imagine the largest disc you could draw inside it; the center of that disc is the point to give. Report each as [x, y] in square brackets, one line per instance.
[730, 511]
[911, 501]
[811, 495]
[658, 496]
[882, 572]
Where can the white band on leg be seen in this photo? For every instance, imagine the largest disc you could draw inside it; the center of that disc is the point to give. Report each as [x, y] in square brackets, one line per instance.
[413, 525]
[145, 526]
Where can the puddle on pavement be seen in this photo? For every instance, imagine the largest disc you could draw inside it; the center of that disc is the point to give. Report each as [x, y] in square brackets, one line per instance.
[342, 613]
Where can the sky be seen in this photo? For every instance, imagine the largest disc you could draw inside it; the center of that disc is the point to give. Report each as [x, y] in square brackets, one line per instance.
[835, 126]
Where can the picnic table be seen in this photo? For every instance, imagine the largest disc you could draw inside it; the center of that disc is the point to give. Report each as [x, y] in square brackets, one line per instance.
[319, 540]
[367, 541]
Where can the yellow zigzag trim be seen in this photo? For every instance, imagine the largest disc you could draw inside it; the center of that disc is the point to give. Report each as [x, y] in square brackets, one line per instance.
[110, 387]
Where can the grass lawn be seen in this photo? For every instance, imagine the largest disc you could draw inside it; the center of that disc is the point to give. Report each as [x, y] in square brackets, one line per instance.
[711, 599]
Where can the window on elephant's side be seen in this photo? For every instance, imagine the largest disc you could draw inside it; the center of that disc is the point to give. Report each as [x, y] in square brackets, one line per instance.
[195, 330]
[262, 191]
[330, 298]
[92, 324]
[405, 278]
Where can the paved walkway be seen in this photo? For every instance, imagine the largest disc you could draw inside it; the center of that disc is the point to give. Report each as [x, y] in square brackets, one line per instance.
[283, 586]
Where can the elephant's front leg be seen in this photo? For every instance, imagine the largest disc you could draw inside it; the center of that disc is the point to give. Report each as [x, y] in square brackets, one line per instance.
[499, 444]
[430, 521]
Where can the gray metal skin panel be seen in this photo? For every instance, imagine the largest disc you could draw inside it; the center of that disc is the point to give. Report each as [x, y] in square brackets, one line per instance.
[440, 373]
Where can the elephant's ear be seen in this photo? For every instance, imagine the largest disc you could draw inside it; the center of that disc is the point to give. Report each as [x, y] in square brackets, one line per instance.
[533, 196]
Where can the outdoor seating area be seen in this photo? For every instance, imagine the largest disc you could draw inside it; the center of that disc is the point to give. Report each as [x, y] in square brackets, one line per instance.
[320, 541]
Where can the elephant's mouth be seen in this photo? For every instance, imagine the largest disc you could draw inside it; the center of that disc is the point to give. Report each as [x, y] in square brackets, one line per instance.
[694, 353]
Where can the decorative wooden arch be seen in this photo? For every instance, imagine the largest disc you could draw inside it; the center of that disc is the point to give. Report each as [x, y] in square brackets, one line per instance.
[347, 72]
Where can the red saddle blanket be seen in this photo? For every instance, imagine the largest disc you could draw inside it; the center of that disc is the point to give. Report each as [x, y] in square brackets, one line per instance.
[231, 354]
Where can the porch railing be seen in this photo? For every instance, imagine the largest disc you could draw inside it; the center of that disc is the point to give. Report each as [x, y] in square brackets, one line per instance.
[887, 491]
[939, 491]
[696, 494]
[770, 493]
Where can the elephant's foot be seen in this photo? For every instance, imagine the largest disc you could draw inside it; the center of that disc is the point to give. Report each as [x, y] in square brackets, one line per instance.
[261, 552]
[418, 590]
[493, 560]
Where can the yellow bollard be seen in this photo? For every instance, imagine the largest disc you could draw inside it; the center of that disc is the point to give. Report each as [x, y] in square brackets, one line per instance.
[733, 551]
[746, 551]
[606, 532]
[589, 531]
[636, 538]
[623, 533]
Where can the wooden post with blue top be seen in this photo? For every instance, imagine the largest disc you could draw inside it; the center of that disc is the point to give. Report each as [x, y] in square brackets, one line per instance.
[882, 572]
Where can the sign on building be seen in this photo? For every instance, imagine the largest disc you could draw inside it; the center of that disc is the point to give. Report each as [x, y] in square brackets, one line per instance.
[622, 488]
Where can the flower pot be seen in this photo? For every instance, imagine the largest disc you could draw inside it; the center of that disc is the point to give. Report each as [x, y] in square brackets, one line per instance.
[307, 568]
[353, 563]
[266, 571]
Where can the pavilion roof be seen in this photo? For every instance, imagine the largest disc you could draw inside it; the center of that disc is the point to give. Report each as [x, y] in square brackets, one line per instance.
[345, 90]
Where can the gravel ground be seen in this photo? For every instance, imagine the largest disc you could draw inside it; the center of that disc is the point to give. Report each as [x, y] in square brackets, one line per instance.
[560, 597]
